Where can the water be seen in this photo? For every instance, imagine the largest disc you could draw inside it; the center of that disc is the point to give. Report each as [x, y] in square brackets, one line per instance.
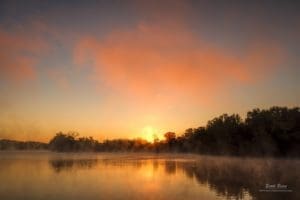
[46, 175]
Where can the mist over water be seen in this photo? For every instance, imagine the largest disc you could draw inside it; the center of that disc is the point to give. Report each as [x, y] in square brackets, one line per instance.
[47, 175]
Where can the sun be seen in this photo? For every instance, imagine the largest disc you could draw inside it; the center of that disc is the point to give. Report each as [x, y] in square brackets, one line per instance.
[148, 133]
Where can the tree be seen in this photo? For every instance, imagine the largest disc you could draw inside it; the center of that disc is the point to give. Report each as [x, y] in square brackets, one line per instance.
[63, 142]
[170, 136]
[274, 131]
[170, 140]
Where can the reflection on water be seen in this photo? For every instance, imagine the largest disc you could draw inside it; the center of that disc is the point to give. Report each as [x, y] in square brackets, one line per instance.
[136, 176]
[233, 177]
[68, 164]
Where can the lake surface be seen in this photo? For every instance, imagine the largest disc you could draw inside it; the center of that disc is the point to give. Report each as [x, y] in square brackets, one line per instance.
[46, 175]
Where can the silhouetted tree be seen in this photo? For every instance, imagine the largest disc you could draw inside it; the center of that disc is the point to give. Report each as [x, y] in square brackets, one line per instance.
[63, 142]
[19, 145]
[271, 132]
[170, 139]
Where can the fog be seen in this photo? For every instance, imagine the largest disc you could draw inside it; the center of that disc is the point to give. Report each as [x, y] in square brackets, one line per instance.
[48, 175]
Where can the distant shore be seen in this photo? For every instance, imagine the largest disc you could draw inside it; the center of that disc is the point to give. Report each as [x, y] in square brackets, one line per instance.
[272, 132]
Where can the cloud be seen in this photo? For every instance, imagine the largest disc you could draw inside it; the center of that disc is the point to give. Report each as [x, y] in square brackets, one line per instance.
[20, 48]
[169, 61]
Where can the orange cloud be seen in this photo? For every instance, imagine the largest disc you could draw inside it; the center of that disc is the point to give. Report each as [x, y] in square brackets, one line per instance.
[156, 60]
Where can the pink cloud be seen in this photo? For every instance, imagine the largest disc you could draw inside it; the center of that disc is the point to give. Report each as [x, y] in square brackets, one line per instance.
[19, 51]
[154, 60]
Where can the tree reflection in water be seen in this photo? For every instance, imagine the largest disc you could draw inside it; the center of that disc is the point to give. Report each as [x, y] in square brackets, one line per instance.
[68, 164]
[228, 177]
[235, 177]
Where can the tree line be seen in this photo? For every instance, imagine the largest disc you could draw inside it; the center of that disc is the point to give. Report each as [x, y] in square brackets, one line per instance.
[264, 132]
[20, 145]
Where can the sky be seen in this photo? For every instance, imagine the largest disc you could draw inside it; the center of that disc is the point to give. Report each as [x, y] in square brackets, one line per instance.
[129, 69]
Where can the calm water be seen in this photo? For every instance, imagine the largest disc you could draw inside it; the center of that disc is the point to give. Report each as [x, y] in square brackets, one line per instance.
[45, 175]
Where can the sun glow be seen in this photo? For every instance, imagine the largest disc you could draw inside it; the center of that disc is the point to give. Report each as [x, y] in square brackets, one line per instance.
[149, 133]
